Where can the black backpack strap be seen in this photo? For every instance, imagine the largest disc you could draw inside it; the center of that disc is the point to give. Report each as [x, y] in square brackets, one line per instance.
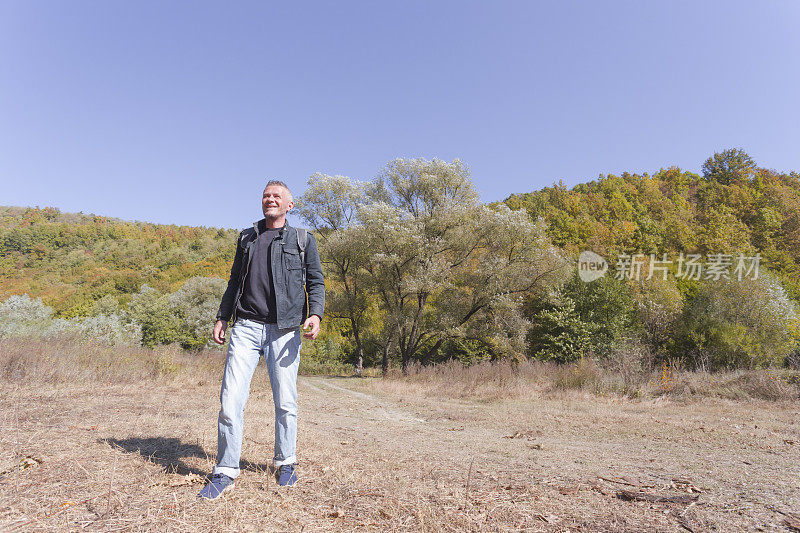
[302, 237]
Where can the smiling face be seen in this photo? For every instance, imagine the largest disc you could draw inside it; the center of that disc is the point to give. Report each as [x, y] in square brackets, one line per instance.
[275, 203]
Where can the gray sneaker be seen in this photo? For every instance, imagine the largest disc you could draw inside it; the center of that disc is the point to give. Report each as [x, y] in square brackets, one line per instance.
[219, 483]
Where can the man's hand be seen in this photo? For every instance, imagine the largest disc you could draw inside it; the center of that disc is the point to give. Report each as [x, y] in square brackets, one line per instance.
[219, 331]
[313, 323]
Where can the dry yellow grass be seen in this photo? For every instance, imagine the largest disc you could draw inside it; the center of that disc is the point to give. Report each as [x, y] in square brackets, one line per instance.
[119, 440]
[504, 380]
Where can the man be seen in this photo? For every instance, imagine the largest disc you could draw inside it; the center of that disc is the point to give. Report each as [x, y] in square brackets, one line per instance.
[268, 302]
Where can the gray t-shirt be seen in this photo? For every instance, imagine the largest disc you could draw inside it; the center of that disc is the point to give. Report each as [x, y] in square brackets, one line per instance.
[258, 297]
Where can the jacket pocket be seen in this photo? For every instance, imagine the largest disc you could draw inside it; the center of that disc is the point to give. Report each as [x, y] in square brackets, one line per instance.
[291, 260]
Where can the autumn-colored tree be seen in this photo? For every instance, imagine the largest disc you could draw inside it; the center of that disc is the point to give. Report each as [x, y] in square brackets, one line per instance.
[730, 166]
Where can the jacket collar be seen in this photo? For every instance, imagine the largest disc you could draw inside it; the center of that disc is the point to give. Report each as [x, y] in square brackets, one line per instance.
[258, 224]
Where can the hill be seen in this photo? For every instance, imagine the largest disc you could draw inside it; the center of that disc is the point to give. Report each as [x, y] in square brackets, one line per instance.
[71, 260]
[734, 206]
[166, 281]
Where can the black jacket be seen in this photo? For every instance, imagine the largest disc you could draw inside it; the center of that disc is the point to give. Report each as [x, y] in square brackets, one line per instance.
[287, 275]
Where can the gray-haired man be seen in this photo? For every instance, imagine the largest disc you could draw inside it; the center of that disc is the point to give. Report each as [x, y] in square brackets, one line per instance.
[274, 267]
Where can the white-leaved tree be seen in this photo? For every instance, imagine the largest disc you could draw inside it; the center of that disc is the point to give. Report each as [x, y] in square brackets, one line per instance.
[446, 267]
[330, 206]
[417, 250]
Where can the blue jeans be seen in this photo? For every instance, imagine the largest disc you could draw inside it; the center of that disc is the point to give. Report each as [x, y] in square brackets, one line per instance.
[281, 350]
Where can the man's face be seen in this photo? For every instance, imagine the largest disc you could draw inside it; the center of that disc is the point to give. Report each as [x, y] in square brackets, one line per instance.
[275, 202]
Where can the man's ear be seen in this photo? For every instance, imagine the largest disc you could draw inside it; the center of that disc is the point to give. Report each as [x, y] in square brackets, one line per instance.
[289, 206]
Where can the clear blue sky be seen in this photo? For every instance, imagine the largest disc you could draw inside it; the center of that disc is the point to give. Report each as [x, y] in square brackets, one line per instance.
[176, 112]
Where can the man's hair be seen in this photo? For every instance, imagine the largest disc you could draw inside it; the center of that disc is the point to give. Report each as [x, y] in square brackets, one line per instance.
[282, 184]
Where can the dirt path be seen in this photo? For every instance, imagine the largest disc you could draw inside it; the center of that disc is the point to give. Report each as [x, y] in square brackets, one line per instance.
[378, 455]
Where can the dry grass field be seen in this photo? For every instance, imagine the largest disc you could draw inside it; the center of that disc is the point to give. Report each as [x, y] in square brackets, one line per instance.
[95, 438]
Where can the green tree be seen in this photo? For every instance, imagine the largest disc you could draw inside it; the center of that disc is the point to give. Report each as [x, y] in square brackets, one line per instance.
[332, 202]
[658, 304]
[579, 318]
[730, 166]
[559, 333]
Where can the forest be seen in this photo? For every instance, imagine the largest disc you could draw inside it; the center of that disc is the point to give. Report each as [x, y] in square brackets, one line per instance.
[419, 271]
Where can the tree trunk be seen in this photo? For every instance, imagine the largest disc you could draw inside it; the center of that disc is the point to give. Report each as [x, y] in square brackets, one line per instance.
[386, 350]
[359, 364]
[429, 355]
[405, 360]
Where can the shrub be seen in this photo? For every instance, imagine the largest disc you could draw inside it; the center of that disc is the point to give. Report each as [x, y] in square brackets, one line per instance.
[581, 374]
[194, 306]
[631, 360]
[739, 324]
[658, 304]
[108, 329]
[26, 317]
[150, 309]
[23, 316]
